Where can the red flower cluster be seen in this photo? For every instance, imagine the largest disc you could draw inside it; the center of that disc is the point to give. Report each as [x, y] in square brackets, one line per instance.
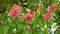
[47, 16]
[52, 9]
[29, 16]
[15, 11]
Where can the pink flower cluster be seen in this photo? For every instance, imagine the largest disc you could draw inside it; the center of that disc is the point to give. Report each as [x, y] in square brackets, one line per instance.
[47, 16]
[15, 11]
[29, 16]
[52, 9]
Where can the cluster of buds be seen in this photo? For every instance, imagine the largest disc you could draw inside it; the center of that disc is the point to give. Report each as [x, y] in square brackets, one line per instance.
[39, 8]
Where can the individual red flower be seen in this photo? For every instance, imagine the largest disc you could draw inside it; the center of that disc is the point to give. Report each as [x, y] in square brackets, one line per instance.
[47, 16]
[15, 11]
[53, 8]
[29, 16]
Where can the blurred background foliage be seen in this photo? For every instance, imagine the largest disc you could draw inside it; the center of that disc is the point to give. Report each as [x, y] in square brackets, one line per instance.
[16, 26]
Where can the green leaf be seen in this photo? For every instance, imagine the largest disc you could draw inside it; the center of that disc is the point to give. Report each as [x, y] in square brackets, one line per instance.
[1, 30]
[5, 29]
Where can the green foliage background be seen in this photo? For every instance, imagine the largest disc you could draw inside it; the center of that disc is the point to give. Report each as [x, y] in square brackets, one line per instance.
[7, 25]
